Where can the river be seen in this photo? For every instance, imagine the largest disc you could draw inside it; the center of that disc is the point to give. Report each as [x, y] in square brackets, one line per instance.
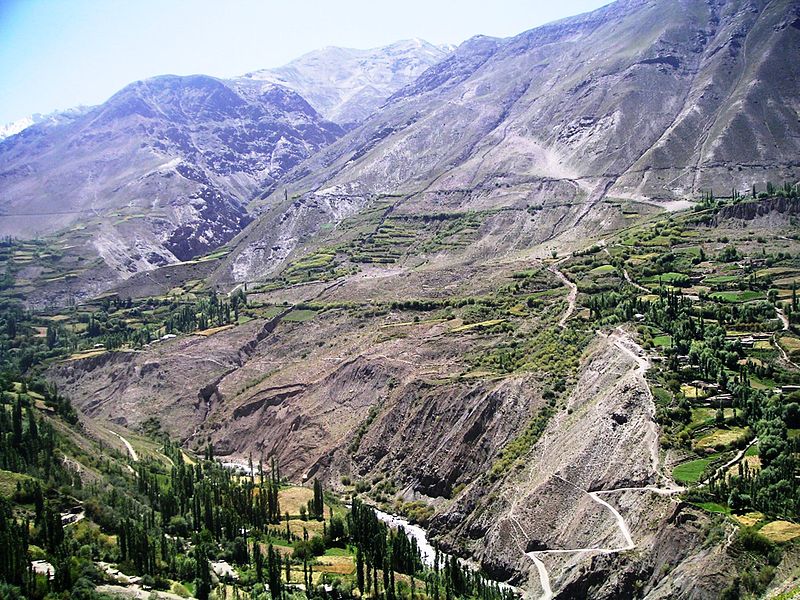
[427, 551]
[414, 532]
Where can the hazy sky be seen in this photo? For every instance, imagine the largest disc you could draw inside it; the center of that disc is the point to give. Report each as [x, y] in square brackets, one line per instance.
[56, 54]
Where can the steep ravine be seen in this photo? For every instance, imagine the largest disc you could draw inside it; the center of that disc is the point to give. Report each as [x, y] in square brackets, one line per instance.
[303, 392]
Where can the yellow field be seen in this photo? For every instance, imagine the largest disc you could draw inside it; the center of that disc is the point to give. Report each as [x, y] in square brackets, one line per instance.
[791, 344]
[213, 330]
[341, 565]
[720, 438]
[752, 462]
[751, 361]
[691, 391]
[291, 499]
[749, 519]
[338, 565]
[87, 354]
[31, 393]
[483, 324]
[780, 531]
[296, 526]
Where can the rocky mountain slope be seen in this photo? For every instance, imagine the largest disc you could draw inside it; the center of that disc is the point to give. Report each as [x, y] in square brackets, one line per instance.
[386, 405]
[346, 85]
[159, 173]
[639, 99]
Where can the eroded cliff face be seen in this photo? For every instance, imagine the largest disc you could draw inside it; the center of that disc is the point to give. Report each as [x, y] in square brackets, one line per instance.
[598, 455]
[331, 400]
[770, 212]
[301, 392]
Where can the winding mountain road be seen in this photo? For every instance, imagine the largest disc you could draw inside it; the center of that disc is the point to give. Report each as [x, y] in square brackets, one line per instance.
[131, 451]
[784, 319]
[571, 297]
[786, 326]
[544, 577]
[623, 526]
[641, 288]
[625, 343]
[541, 568]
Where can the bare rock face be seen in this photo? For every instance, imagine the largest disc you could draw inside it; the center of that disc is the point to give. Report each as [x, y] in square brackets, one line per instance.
[770, 212]
[162, 171]
[598, 454]
[605, 439]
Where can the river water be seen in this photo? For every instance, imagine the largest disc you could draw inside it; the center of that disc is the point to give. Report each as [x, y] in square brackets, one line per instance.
[414, 532]
[427, 551]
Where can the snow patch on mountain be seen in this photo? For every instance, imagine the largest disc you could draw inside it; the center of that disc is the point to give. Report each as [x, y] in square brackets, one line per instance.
[53, 118]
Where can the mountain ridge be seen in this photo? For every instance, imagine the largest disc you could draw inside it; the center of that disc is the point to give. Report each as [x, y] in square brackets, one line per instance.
[173, 160]
[628, 101]
[346, 85]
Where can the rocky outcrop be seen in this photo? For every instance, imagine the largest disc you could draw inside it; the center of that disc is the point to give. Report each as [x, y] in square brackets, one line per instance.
[760, 213]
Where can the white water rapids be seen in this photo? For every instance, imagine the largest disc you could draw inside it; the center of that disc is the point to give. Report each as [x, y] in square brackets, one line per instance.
[414, 532]
[426, 550]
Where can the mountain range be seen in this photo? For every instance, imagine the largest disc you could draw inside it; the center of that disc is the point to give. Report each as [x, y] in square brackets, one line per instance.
[652, 101]
[510, 289]
[639, 99]
[163, 171]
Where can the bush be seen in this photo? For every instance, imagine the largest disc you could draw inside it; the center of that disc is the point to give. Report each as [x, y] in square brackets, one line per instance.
[749, 540]
[317, 545]
[304, 550]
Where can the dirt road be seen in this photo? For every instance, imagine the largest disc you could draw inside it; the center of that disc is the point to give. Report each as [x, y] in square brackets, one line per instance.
[571, 297]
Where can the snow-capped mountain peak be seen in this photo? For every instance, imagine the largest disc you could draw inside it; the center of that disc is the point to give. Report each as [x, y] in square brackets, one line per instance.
[346, 85]
[52, 118]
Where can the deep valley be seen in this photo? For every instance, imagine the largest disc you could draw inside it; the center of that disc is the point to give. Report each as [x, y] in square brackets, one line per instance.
[536, 296]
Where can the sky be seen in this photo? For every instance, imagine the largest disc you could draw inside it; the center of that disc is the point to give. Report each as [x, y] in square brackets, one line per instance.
[55, 54]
